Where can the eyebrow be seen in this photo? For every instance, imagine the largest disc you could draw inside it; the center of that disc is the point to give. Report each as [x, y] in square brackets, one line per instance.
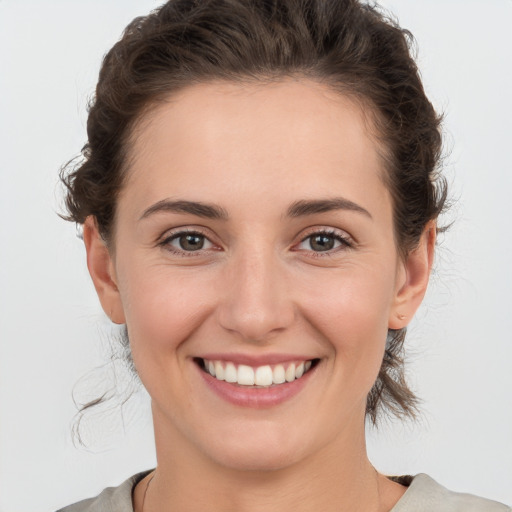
[310, 207]
[300, 208]
[207, 211]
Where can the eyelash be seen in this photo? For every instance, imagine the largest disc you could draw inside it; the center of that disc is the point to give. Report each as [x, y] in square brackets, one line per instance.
[343, 239]
[344, 242]
[166, 242]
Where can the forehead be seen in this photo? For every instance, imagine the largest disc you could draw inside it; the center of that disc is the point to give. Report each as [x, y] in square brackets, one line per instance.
[293, 135]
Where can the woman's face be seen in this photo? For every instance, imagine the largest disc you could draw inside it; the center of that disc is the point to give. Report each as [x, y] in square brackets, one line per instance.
[254, 240]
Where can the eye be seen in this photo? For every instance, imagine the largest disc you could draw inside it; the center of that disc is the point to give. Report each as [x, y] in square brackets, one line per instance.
[187, 241]
[323, 241]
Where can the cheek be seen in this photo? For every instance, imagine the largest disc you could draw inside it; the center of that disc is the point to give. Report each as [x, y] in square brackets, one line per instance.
[351, 314]
[162, 309]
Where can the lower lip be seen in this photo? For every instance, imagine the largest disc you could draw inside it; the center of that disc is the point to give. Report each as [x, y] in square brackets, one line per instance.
[256, 398]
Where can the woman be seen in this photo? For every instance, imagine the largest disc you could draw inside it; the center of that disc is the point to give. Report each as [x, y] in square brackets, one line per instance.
[259, 201]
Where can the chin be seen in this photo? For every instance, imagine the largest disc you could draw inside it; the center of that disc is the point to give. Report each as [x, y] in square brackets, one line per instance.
[256, 459]
[265, 450]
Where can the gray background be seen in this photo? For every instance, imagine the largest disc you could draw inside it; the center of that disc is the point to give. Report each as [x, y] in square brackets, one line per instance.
[53, 333]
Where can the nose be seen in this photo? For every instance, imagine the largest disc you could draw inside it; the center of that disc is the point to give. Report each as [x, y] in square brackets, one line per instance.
[256, 301]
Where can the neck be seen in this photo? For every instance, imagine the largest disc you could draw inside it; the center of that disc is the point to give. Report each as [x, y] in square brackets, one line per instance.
[338, 477]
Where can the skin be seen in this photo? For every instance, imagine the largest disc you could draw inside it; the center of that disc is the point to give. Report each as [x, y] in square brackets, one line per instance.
[258, 287]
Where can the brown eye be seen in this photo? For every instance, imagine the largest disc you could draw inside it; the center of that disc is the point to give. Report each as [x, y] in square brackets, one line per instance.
[188, 242]
[322, 242]
[191, 242]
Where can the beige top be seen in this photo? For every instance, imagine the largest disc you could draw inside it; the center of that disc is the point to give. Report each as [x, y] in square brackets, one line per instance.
[423, 495]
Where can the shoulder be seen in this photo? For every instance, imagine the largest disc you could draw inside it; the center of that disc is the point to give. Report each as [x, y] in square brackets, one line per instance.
[111, 499]
[425, 495]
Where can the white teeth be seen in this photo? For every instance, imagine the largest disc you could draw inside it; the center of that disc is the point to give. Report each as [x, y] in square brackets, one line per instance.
[219, 371]
[245, 375]
[290, 373]
[278, 375]
[230, 373]
[263, 376]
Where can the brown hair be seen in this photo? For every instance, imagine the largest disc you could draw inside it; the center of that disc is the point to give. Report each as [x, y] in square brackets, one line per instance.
[353, 47]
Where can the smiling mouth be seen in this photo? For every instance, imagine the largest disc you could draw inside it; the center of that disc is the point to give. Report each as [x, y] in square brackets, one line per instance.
[257, 377]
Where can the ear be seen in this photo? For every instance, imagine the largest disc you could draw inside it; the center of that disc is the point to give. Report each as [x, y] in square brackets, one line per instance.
[101, 269]
[413, 279]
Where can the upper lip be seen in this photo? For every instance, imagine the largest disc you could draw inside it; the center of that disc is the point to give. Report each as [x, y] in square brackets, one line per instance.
[256, 360]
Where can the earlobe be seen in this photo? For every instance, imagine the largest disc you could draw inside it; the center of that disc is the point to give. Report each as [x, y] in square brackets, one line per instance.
[414, 280]
[101, 269]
